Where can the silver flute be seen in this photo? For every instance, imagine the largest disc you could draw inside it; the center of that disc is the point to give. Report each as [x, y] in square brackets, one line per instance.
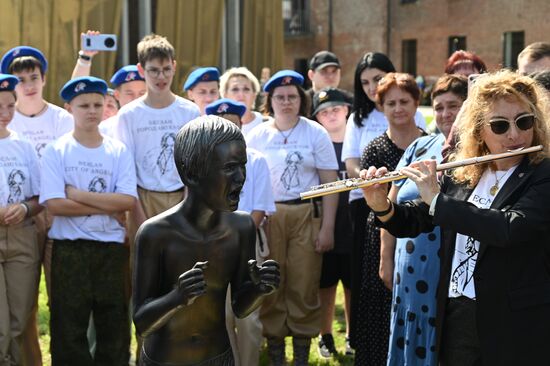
[355, 183]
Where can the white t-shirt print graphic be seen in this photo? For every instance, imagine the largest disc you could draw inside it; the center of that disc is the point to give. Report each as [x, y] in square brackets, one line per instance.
[466, 247]
[159, 160]
[291, 175]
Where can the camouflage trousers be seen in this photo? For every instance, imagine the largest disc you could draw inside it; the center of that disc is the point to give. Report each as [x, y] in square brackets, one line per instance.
[89, 277]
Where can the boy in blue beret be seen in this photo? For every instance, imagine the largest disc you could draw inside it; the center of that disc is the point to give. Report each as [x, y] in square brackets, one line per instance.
[88, 181]
[128, 83]
[228, 109]
[35, 119]
[20, 264]
[202, 86]
[41, 123]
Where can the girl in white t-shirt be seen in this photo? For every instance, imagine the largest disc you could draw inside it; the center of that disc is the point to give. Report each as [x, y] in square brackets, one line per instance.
[19, 188]
[299, 154]
[365, 123]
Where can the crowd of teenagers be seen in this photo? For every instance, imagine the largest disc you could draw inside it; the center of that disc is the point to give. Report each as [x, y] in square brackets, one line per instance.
[440, 268]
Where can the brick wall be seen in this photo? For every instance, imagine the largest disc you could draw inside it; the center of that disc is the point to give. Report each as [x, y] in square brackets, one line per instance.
[361, 25]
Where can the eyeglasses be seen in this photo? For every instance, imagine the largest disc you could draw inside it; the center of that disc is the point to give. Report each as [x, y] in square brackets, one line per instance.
[292, 98]
[524, 122]
[155, 73]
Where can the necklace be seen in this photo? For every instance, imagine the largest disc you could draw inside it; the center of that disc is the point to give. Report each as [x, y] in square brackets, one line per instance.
[495, 187]
[288, 135]
[35, 114]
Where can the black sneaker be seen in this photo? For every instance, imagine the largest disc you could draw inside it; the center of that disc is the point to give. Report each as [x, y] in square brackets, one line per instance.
[326, 346]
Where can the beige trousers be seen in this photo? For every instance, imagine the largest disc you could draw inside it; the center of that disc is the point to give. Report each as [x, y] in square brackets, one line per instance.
[19, 276]
[32, 355]
[295, 309]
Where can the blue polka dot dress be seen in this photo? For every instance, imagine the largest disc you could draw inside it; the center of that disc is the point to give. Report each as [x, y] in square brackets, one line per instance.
[416, 274]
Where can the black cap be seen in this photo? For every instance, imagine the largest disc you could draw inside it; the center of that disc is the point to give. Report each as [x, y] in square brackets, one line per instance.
[323, 59]
[329, 97]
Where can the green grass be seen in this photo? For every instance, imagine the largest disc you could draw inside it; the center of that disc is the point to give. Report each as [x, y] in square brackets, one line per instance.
[339, 329]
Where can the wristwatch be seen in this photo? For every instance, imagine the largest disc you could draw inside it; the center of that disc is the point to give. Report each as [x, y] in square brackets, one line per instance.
[84, 57]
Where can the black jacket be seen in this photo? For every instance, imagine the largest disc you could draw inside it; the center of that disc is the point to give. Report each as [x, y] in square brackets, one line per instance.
[512, 273]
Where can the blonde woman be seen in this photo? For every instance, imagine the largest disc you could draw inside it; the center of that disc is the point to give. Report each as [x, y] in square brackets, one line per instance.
[239, 84]
[493, 306]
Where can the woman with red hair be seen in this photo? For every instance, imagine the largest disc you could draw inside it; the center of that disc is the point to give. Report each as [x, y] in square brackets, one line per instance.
[465, 63]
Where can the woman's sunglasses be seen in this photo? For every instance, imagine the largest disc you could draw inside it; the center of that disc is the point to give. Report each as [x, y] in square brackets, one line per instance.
[524, 122]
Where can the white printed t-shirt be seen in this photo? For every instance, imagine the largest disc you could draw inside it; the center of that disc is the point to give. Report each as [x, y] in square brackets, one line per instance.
[150, 133]
[43, 129]
[108, 168]
[256, 194]
[357, 138]
[293, 166]
[467, 248]
[19, 171]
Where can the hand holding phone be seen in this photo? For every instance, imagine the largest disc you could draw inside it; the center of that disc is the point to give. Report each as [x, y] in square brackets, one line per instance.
[99, 42]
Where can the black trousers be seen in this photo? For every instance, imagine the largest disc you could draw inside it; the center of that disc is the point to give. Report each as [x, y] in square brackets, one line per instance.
[460, 341]
[89, 276]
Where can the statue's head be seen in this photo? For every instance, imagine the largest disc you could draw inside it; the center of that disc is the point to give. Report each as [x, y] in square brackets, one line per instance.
[210, 155]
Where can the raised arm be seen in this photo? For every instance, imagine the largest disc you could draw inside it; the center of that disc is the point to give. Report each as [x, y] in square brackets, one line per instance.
[83, 64]
[402, 221]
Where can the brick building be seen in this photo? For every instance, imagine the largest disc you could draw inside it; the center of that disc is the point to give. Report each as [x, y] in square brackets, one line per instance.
[418, 35]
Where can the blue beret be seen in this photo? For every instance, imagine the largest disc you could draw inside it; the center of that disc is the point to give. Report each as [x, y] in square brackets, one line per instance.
[8, 82]
[226, 106]
[125, 74]
[21, 51]
[82, 85]
[283, 77]
[201, 74]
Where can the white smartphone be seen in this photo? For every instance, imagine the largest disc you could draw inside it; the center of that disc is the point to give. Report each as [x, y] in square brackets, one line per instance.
[99, 42]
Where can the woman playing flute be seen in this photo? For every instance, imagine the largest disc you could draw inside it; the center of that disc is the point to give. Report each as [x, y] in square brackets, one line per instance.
[493, 297]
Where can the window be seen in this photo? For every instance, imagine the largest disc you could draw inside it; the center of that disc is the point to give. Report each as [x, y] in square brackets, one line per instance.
[296, 17]
[408, 56]
[512, 44]
[456, 43]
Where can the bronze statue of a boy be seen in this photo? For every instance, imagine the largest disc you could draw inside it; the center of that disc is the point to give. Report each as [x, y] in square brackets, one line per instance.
[187, 256]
